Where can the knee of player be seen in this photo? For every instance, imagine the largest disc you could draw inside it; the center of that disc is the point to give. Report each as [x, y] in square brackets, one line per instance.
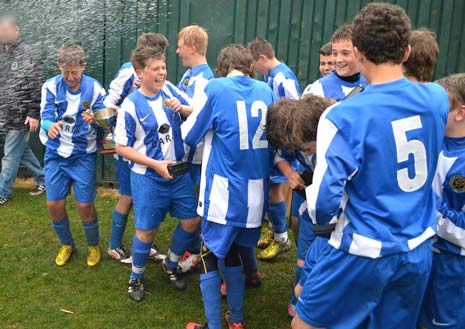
[190, 225]
[57, 209]
[86, 211]
[146, 236]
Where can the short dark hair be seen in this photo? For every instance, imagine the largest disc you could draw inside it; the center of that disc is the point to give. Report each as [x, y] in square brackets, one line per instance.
[71, 55]
[455, 86]
[424, 55]
[343, 32]
[290, 123]
[260, 46]
[234, 57]
[381, 31]
[326, 50]
[152, 40]
[141, 56]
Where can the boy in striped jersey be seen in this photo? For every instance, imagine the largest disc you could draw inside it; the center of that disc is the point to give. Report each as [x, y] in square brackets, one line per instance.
[376, 158]
[192, 49]
[121, 86]
[346, 76]
[284, 84]
[148, 134]
[233, 193]
[445, 294]
[70, 140]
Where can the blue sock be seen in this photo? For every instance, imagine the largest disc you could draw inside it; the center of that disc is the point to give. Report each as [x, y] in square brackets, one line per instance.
[63, 231]
[298, 273]
[235, 284]
[277, 216]
[210, 284]
[179, 243]
[140, 255]
[194, 247]
[249, 260]
[91, 230]
[118, 225]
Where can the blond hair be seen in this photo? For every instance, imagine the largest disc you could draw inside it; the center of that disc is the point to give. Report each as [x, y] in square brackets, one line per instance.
[194, 35]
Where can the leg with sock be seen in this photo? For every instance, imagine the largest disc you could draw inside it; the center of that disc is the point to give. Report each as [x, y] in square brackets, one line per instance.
[249, 262]
[234, 279]
[60, 223]
[140, 255]
[179, 242]
[89, 219]
[210, 288]
[118, 226]
[281, 243]
[64, 234]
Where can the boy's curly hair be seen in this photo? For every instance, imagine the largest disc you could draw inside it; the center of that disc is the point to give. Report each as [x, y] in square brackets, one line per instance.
[381, 31]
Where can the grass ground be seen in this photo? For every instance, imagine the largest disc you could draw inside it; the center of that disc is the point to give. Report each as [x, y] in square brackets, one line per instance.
[34, 293]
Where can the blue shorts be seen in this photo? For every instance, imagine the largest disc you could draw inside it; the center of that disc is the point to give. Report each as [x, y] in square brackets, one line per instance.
[306, 235]
[314, 252]
[124, 176]
[195, 173]
[219, 238]
[443, 305]
[78, 169]
[297, 201]
[153, 200]
[344, 290]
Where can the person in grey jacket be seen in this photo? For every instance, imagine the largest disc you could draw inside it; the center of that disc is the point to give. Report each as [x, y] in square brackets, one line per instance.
[20, 83]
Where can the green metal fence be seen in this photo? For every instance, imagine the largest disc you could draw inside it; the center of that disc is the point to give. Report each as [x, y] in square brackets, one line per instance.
[108, 29]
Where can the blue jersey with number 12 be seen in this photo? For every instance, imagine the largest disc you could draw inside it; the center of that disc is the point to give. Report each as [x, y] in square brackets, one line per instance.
[235, 167]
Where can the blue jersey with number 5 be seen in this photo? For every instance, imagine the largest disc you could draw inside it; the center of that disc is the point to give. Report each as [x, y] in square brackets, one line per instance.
[235, 171]
[376, 157]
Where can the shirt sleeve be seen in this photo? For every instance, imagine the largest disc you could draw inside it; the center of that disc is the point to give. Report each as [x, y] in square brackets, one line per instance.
[47, 104]
[125, 130]
[316, 89]
[119, 87]
[335, 166]
[98, 97]
[451, 223]
[199, 122]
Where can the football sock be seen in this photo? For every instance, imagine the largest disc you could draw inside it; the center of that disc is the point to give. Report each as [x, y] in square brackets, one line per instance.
[235, 284]
[210, 284]
[277, 216]
[140, 255]
[249, 259]
[63, 231]
[91, 230]
[118, 225]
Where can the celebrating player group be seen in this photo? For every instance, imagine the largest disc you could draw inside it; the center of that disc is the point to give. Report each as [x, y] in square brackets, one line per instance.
[373, 151]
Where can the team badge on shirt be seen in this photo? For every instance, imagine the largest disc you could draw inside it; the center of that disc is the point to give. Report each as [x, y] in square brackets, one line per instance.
[186, 83]
[457, 183]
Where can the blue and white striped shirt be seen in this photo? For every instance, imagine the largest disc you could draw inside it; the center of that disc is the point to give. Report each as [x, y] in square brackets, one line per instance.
[147, 125]
[332, 86]
[449, 185]
[121, 85]
[60, 103]
[193, 84]
[283, 82]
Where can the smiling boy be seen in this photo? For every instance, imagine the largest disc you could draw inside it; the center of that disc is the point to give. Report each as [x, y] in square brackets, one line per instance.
[71, 149]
